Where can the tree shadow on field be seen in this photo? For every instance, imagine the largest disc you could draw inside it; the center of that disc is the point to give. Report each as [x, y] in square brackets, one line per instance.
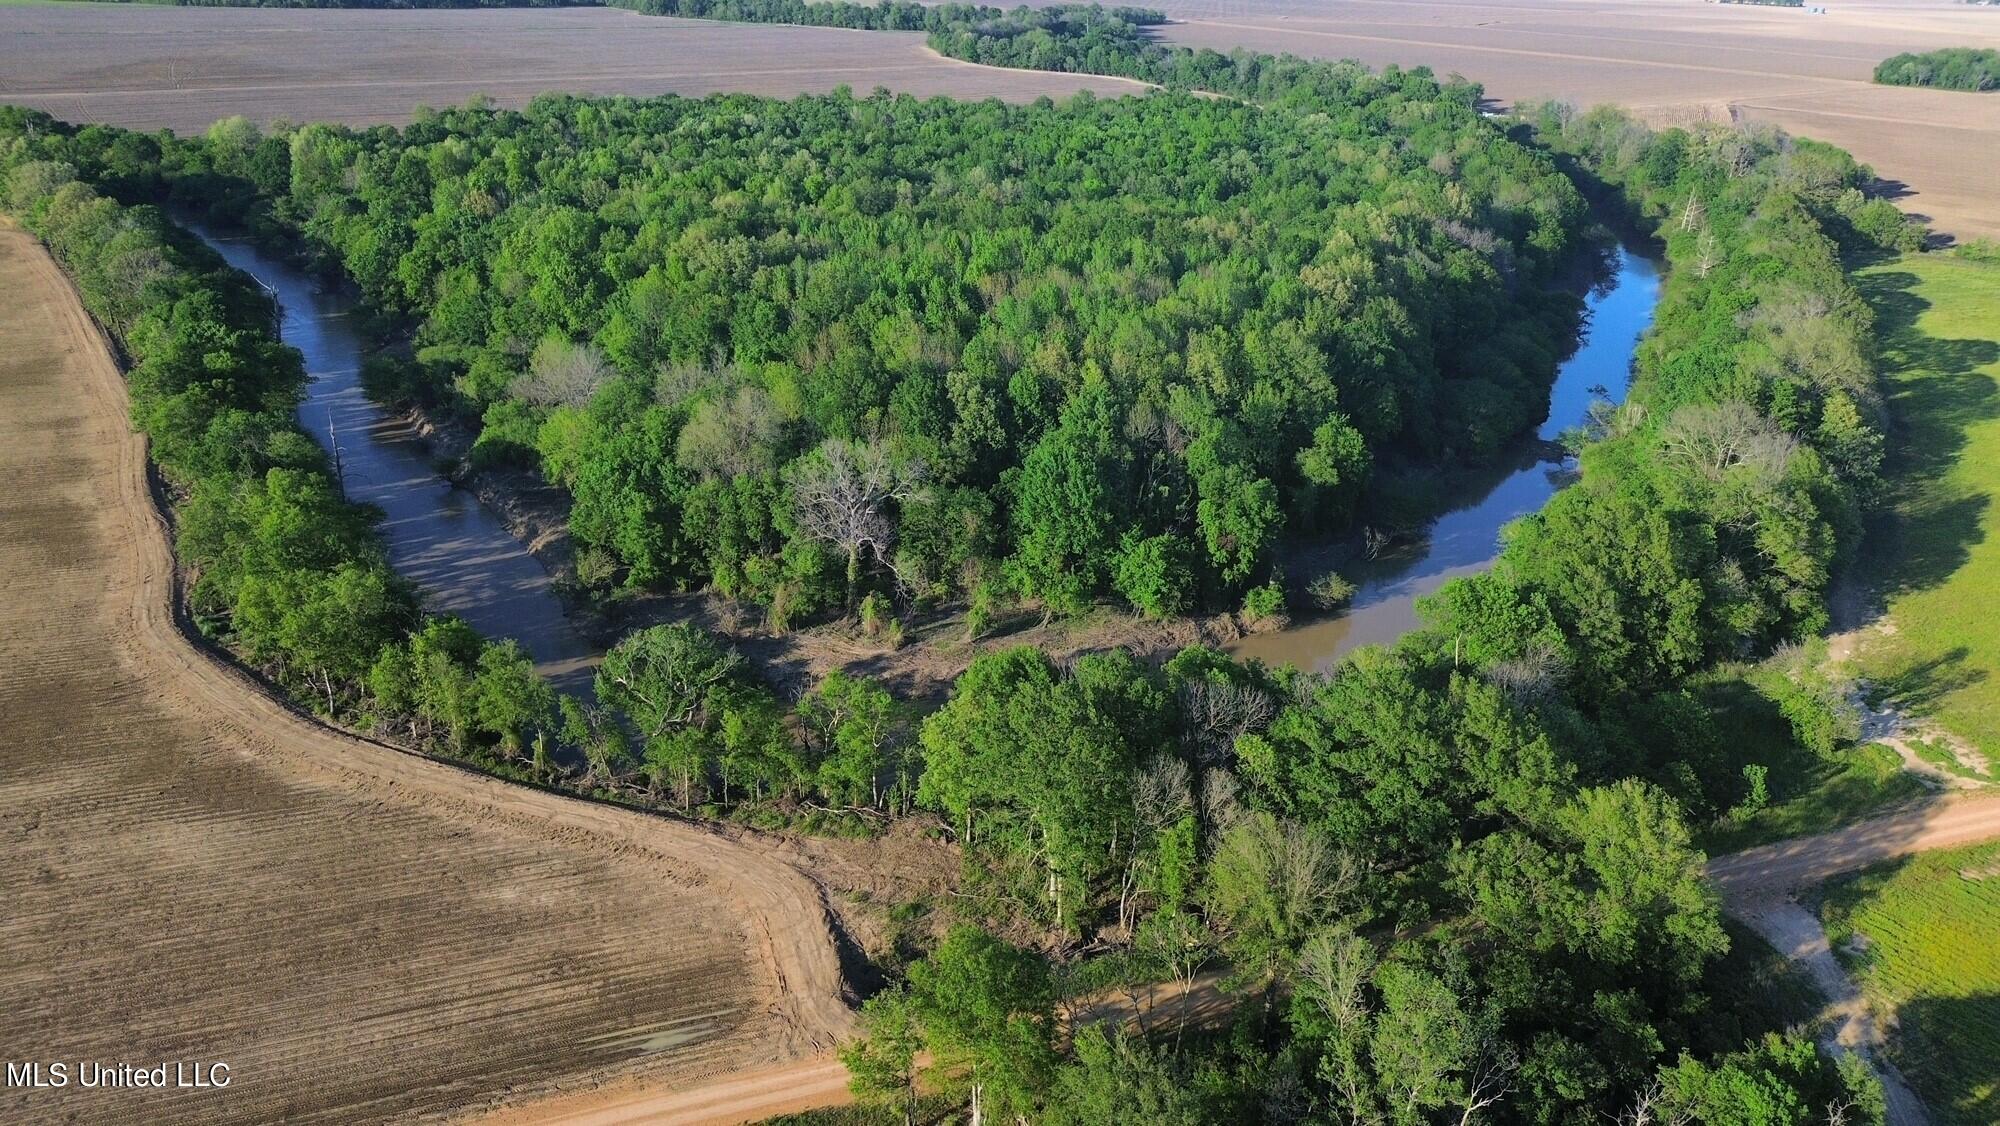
[1884, 188]
[1949, 1050]
[1927, 534]
[1921, 686]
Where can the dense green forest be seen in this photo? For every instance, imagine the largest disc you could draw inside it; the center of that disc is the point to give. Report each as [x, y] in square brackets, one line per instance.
[1953, 68]
[800, 350]
[1461, 865]
[1455, 877]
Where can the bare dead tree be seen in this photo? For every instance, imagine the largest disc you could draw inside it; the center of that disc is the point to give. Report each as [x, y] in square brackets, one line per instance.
[1708, 254]
[1333, 972]
[1692, 213]
[1490, 1080]
[1709, 439]
[562, 373]
[1215, 713]
[1162, 793]
[1531, 676]
[1220, 806]
[731, 435]
[841, 495]
[1769, 454]
[1374, 541]
[1650, 1108]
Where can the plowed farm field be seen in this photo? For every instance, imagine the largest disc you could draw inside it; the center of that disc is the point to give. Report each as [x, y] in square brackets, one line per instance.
[146, 67]
[193, 873]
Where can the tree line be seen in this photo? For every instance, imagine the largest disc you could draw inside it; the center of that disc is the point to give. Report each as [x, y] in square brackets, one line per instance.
[1952, 68]
[885, 15]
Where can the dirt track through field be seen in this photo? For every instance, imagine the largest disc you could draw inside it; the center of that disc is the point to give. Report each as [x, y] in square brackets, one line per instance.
[1761, 887]
[193, 872]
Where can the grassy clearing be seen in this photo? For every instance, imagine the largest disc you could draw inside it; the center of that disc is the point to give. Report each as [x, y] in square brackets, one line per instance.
[1809, 793]
[1923, 938]
[1936, 556]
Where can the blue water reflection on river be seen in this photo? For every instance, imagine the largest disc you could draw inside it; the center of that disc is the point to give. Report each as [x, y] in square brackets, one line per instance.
[1465, 539]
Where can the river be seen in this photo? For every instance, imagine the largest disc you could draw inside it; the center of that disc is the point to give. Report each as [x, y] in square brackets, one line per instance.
[1465, 538]
[466, 562]
[460, 555]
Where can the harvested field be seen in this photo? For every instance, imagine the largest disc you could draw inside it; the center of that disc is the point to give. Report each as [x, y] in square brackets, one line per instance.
[194, 873]
[149, 67]
[1678, 61]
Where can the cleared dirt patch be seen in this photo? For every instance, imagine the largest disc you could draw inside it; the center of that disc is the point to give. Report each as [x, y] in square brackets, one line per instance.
[146, 67]
[1679, 61]
[192, 872]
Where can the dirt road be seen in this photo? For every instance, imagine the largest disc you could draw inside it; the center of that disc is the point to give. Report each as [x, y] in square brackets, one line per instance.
[1760, 887]
[749, 1096]
[1787, 866]
[194, 872]
[815, 1083]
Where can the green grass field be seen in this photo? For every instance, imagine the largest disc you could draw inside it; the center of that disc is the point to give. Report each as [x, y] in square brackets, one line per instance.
[1936, 557]
[1929, 952]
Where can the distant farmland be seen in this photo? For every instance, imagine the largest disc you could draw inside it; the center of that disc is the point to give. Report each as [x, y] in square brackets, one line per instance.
[1677, 61]
[146, 67]
[1671, 61]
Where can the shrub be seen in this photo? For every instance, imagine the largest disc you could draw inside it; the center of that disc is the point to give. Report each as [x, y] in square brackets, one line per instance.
[1264, 605]
[1330, 591]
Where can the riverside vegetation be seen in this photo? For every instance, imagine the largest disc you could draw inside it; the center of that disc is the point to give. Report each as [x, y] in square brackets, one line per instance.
[1457, 871]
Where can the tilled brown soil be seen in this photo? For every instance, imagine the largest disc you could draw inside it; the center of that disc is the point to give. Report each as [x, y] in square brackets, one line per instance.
[191, 872]
[144, 66]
